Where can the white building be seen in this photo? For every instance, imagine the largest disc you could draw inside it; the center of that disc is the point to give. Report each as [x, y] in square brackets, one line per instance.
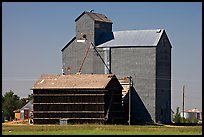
[192, 113]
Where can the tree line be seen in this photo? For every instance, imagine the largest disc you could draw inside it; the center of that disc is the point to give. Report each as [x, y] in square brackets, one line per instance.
[11, 102]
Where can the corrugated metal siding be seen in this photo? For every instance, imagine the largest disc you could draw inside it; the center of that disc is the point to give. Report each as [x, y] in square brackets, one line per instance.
[85, 26]
[98, 66]
[163, 83]
[140, 64]
[101, 29]
[73, 55]
[134, 38]
[133, 53]
[67, 44]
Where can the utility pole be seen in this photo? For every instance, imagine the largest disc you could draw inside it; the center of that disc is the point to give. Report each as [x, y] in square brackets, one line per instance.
[183, 100]
[130, 85]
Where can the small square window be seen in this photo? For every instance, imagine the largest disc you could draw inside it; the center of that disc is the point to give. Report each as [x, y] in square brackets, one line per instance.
[84, 36]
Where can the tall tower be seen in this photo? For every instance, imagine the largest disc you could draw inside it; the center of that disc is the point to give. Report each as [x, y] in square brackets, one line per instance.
[90, 27]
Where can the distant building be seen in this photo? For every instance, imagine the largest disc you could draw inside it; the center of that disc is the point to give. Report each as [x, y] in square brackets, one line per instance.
[17, 114]
[85, 98]
[25, 112]
[145, 55]
[192, 113]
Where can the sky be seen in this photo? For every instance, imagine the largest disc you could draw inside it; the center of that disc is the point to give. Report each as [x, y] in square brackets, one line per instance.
[34, 33]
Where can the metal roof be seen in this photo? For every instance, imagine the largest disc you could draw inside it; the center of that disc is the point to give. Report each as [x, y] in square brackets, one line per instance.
[28, 105]
[73, 81]
[134, 38]
[95, 17]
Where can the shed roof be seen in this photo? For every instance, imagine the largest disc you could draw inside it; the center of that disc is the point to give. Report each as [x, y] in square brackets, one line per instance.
[134, 38]
[73, 81]
[95, 17]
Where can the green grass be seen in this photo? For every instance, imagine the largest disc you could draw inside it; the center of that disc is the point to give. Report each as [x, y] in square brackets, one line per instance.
[94, 129]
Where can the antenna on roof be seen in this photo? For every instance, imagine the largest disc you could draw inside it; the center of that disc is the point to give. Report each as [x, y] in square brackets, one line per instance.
[91, 10]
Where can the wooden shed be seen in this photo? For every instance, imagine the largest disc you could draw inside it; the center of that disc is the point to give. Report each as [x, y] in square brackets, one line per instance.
[77, 98]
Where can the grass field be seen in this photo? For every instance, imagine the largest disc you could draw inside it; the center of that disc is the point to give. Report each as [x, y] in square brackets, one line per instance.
[94, 129]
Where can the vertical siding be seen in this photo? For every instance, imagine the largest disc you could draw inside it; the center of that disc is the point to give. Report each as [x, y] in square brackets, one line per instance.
[163, 83]
[107, 59]
[85, 25]
[148, 66]
[98, 66]
[101, 28]
[73, 55]
[140, 63]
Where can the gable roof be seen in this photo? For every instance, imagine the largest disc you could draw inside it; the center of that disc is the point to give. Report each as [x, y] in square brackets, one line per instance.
[95, 17]
[73, 81]
[134, 38]
[28, 105]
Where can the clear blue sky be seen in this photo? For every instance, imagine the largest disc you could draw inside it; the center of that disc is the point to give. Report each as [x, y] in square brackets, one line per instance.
[33, 35]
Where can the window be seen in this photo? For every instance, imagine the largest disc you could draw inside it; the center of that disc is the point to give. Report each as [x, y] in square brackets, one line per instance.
[84, 36]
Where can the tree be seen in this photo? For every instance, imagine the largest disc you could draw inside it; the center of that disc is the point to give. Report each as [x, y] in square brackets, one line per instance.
[2, 99]
[177, 118]
[10, 102]
[24, 101]
[192, 119]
